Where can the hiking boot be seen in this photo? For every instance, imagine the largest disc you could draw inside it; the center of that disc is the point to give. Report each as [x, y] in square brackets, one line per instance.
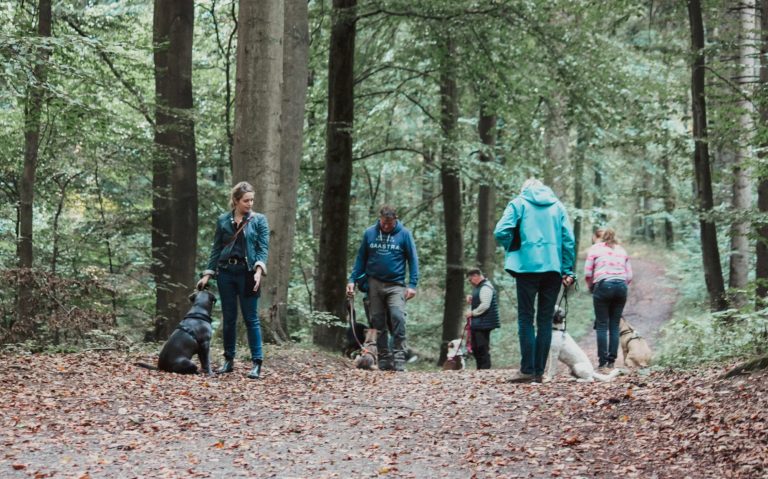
[521, 378]
[386, 362]
[228, 367]
[538, 378]
[256, 371]
[399, 362]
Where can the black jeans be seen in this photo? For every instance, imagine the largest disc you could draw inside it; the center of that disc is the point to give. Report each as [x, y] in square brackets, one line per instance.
[535, 289]
[481, 347]
[608, 298]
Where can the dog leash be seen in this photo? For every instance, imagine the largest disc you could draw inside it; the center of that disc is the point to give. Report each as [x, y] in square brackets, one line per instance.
[461, 340]
[353, 320]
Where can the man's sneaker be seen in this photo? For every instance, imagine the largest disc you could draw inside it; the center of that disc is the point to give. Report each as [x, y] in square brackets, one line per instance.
[521, 378]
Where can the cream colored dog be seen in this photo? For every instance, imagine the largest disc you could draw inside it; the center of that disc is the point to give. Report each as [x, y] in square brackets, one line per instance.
[565, 349]
[636, 351]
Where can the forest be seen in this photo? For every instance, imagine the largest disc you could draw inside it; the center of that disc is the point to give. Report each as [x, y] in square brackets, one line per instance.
[120, 141]
[124, 124]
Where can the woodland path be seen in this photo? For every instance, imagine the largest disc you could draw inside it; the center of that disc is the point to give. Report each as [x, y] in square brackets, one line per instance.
[94, 415]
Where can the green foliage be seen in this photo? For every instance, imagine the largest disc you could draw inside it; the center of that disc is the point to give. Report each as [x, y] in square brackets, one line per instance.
[709, 338]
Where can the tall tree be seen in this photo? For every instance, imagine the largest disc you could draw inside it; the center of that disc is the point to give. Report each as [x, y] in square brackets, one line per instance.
[334, 236]
[578, 185]
[486, 201]
[174, 215]
[258, 101]
[669, 200]
[452, 215]
[761, 263]
[295, 76]
[738, 275]
[32, 112]
[713, 273]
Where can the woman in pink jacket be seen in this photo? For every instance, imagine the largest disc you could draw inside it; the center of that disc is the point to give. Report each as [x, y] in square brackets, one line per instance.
[607, 272]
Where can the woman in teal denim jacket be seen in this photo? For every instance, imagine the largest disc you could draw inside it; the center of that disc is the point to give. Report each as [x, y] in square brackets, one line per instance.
[239, 253]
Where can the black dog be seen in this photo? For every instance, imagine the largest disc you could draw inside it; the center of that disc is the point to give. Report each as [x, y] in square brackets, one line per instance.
[355, 338]
[192, 336]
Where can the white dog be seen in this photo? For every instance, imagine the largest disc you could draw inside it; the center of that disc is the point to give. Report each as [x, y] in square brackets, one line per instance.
[565, 349]
[455, 359]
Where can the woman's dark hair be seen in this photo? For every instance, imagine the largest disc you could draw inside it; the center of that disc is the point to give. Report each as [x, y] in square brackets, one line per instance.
[238, 191]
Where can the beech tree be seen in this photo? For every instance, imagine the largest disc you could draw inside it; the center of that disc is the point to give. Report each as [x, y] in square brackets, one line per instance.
[761, 263]
[33, 108]
[452, 207]
[331, 276]
[713, 273]
[174, 183]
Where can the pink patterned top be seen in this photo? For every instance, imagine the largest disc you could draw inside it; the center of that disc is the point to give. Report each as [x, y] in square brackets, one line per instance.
[604, 262]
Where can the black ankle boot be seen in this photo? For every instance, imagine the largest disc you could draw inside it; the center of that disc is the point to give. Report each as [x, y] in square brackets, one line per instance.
[228, 367]
[256, 371]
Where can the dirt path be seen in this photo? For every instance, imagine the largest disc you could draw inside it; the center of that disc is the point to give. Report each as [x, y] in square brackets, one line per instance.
[652, 298]
[95, 415]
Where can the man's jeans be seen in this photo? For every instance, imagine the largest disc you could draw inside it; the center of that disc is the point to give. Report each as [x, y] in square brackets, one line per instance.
[231, 282]
[534, 343]
[388, 315]
[608, 298]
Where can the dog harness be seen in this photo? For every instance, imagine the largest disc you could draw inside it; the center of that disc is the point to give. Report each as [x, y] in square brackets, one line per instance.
[634, 335]
[189, 330]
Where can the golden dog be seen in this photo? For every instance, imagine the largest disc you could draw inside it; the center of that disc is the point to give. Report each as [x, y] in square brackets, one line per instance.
[636, 351]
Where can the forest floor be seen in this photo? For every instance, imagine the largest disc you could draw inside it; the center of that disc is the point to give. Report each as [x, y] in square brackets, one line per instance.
[94, 414]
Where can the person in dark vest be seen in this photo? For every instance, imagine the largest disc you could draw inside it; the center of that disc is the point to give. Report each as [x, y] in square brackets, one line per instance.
[483, 316]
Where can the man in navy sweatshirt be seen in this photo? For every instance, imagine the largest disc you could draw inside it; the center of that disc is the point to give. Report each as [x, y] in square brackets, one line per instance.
[384, 251]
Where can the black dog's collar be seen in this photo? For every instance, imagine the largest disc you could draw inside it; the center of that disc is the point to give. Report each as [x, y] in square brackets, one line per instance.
[202, 316]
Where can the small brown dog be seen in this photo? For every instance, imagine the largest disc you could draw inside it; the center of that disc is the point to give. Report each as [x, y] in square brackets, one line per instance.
[368, 357]
[636, 351]
[455, 358]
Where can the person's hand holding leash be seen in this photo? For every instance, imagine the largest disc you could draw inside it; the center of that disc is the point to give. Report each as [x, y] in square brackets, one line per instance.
[567, 280]
[203, 282]
[409, 293]
[350, 289]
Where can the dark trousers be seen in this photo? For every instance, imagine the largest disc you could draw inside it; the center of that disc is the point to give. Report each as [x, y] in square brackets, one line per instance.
[536, 295]
[231, 282]
[608, 298]
[481, 347]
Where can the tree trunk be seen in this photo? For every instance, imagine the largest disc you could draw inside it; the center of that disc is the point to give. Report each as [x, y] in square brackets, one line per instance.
[174, 219]
[738, 275]
[556, 139]
[334, 235]
[669, 201]
[578, 186]
[452, 217]
[32, 113]
[486, 209]
[598, 203]
[295, 75]
[257, 149]
[258, 102]
[761, 263]
[713, 273]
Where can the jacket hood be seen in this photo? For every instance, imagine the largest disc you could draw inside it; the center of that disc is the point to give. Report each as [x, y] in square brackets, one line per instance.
[539, 195]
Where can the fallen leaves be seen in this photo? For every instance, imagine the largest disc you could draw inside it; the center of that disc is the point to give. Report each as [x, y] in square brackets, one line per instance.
[313, 419]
